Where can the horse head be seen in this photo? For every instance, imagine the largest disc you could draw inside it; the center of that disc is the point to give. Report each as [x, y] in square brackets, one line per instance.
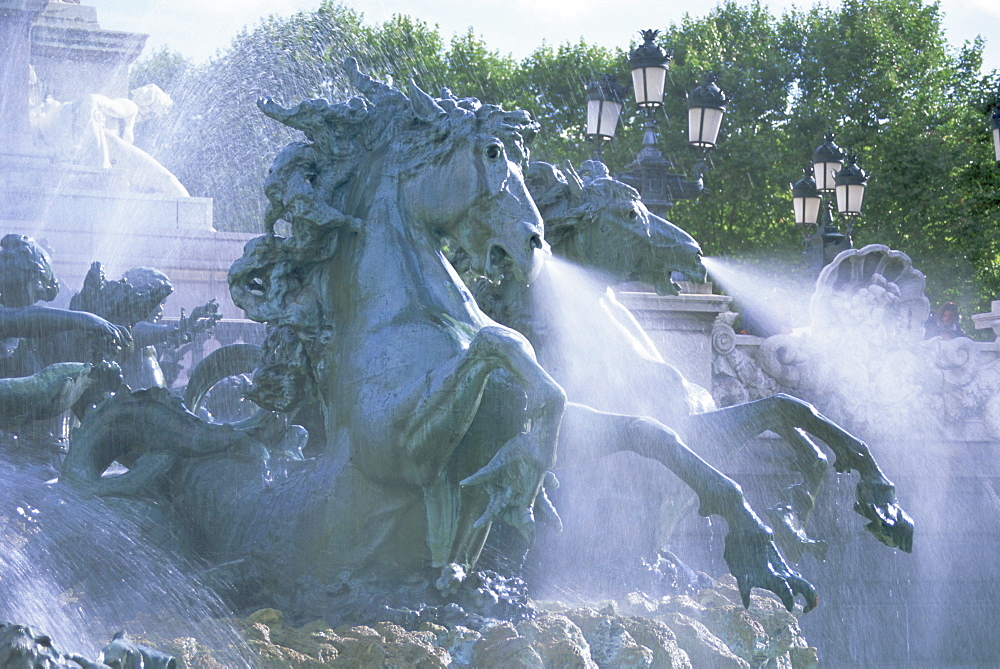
[453, 166]
[472, 191]
[446, 169]
[602, 223]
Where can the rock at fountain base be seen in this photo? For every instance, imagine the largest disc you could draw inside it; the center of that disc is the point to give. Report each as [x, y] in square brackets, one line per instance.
[709, 629]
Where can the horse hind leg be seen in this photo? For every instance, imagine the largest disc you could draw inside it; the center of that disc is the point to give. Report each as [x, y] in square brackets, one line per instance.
[727, 430]
[750, 554]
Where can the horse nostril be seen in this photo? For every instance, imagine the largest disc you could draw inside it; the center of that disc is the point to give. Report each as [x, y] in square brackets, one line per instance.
[535, 242]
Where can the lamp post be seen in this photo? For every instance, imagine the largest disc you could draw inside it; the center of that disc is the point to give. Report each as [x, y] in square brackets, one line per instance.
[850, 184]
[822, 239]
[652, 173]
[806, 199]
[706, 107]
[827, 160]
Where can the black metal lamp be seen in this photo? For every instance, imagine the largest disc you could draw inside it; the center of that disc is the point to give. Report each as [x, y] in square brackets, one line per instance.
[648, 63]
[706, 106]
[823, 245]
[652, 173]
[605, 99]
[851, 182]
[806, 199]
[827, 160]
[821, 237]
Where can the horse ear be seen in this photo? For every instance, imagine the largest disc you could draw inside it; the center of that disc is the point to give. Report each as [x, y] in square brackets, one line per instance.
[424, 106]
[545, 183]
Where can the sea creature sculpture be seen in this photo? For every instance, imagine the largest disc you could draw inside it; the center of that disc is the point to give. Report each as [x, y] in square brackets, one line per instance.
[136, 302]
[51, 359]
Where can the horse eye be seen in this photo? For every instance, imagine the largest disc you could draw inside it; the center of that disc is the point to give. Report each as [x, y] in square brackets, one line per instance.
[493, 151]
[633, 214]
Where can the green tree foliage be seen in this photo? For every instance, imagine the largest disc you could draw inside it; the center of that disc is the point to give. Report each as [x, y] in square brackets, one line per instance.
[215, 140]
[879, 73]
[165, 68]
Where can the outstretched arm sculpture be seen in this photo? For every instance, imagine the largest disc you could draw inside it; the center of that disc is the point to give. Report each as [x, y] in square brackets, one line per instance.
[32, 387]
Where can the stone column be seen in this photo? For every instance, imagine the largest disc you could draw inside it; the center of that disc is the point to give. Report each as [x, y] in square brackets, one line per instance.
[16, 18]
[73, 55]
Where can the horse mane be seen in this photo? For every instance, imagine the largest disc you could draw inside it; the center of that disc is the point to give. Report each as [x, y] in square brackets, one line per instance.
[318, 188]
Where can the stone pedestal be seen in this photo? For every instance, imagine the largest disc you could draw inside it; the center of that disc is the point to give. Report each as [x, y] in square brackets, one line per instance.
[73, 56]
[989, 320]
[681, 328]
[82, 217]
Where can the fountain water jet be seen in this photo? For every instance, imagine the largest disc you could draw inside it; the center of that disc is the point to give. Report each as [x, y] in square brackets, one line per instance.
[770, 301]
[218, 472]
[84, 569]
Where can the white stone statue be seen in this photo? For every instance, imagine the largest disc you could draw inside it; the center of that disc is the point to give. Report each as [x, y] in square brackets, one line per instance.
[98, 131]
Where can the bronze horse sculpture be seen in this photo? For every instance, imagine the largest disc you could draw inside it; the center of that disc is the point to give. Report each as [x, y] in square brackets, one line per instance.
[601, 224]
[366, 316]
[437, 420]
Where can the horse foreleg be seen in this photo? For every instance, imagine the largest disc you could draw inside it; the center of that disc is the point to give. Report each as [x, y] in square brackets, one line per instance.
[792, 418]
[750, 553]
[719, 434]
[439, 408]
[444, 405]
[513, 477]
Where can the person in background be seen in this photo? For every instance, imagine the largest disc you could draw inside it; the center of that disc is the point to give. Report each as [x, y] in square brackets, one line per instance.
[946, 323]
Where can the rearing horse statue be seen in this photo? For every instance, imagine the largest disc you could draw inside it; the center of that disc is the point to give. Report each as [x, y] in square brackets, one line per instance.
[366, 316]
[601, 224]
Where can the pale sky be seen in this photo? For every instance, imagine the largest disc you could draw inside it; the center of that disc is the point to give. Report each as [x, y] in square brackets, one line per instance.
[197, 28]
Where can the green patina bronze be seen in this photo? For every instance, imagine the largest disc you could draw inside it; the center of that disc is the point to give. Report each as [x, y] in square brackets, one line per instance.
[50, 360]
[366, 317]
[602, 224]
[435, 420]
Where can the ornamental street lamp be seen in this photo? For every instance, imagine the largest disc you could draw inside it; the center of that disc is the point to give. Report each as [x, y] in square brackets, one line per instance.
[806, 199]
[822, 239]
[651, 173]
[605, 99]
[706, 107]
[648, 63]
[827, 160]
[850, 184]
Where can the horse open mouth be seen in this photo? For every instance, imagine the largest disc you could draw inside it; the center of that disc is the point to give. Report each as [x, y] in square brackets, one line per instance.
[499, 264]
[696, 271]
[502, 264]
[693, 271]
